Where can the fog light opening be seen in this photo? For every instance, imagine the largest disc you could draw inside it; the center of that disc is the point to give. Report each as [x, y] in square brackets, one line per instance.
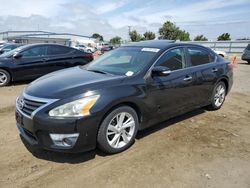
[67, 142]
[64, 140]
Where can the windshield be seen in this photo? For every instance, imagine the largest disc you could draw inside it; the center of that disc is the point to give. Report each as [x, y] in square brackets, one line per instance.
[12, 52]
[123, 61]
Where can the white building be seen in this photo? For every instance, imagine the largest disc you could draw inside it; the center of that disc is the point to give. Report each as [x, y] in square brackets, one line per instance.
[30, 37]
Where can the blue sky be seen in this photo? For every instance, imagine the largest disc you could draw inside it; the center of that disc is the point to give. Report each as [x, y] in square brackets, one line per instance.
[112, 17]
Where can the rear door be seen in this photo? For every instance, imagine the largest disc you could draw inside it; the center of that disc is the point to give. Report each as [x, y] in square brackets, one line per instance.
[203, 62]
[59, 57]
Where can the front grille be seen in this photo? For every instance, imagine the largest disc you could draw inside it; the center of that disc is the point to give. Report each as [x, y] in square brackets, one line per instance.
[28, 106]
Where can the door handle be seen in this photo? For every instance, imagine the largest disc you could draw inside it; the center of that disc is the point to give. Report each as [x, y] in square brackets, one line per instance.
[214, 70]
[188, 78]
[45, 59]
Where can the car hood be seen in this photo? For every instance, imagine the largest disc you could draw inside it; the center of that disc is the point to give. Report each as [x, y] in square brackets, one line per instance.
[70, 82]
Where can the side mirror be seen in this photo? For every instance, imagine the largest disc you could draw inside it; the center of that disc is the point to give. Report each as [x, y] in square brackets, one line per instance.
[17, 55]
[160, 71]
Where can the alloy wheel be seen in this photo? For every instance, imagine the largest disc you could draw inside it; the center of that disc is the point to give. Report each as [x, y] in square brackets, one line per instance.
[219, 96]
[3, 78]
[120, 130]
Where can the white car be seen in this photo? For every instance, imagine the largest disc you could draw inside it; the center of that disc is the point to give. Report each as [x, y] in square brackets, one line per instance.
[85, 48]
[2, 43]
[221, 53]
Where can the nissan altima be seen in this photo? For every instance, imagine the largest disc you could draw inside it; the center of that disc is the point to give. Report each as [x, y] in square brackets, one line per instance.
[128, 89]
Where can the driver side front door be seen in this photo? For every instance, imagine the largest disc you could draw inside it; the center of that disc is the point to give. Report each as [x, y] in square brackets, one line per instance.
[173, 94]
[31, 63]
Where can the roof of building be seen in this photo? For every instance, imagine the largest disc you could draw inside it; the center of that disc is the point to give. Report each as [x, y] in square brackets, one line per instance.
[42, 34]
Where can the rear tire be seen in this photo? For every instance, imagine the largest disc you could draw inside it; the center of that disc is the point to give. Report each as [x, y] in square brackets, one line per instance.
[4, 78]
[118, 130]
[218, 96]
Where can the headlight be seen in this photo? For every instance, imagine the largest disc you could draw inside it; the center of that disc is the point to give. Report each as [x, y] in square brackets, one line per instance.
[76, 108]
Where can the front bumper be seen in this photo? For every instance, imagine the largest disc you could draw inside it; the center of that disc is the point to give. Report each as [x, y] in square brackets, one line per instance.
[36, 131]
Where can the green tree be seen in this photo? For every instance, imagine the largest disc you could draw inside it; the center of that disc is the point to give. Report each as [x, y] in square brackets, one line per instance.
[149, 35]
[171, 32]
[97, 36]
[200, 38]
[224, 36]
[115, 40]
[134, 36]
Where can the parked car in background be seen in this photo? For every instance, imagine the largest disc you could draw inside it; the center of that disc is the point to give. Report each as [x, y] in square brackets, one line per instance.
[128, 89]
[104, 47]
[35, 60]
[85, 48]
[246, 54]
[2, 43]
[8, 47]
[221, 53]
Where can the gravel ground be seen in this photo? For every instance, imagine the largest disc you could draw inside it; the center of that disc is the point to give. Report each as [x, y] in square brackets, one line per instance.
[199, 149]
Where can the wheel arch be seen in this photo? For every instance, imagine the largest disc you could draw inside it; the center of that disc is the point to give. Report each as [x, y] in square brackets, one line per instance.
[133, 105]
[225, 81]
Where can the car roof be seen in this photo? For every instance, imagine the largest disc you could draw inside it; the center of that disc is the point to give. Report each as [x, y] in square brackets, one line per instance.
[24, 47]
[41, 44]
[160, 44]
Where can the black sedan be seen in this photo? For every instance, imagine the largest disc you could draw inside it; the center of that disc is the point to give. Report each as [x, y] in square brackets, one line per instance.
[35, 60]
[128, 89]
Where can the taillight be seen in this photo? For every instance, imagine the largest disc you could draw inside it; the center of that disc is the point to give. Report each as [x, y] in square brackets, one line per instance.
[88, 56]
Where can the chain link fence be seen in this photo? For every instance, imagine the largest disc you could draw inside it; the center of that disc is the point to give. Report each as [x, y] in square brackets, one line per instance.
[236, 47]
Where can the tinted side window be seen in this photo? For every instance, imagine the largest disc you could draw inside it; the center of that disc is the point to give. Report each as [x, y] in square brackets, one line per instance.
[58, 50]
[173, 59]
[35, 51]
[199, 56]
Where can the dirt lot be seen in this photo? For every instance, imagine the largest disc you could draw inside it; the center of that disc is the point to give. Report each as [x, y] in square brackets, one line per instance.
[199, 149]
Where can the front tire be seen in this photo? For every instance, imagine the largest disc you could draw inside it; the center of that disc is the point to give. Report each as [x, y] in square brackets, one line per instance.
[4, 78]
[118, 130]
[218, 96]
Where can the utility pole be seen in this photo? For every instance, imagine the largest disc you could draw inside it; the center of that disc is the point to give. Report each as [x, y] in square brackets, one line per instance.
[129, 30]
